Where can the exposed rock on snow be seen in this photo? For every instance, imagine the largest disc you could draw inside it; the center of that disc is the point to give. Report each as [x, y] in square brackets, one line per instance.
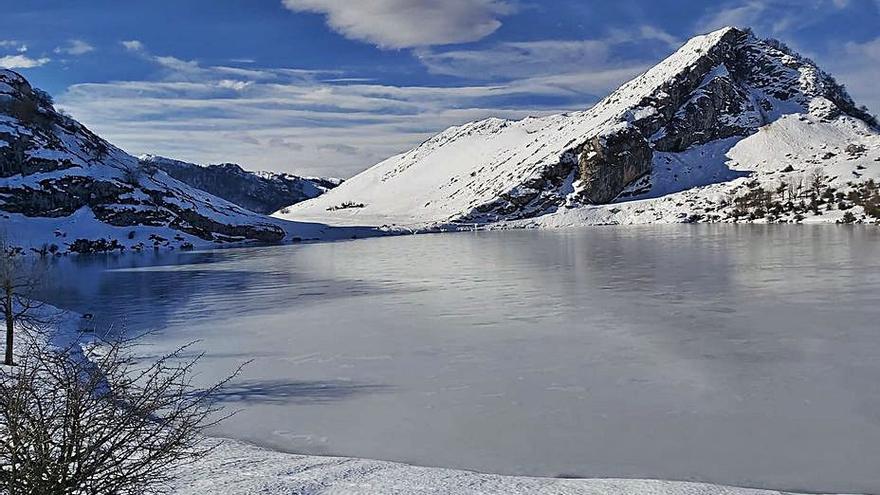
[62, 185]
[235, 468]
[262, 192]
[692, 130]
[610, 162]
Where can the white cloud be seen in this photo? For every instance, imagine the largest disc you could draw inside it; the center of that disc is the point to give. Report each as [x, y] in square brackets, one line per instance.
[740, 14]
[22, 62]
[516, 59]
[16, 45]
[655, 33]
[535, 59]
[132, 45]
[231, 84]
[309, 122]
[75, 47]
[774, 17]
[409, 23]
[308, 128]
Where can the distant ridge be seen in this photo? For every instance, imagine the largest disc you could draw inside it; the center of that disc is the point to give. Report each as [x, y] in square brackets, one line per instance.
[262, 192]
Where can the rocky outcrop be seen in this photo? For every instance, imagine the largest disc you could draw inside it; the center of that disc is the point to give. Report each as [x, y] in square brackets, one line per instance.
[53, 168]
[611, 161]
[262, 192]
[62, 196]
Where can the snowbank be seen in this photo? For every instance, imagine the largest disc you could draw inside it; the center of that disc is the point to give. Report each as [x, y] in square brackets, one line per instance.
[235, 468]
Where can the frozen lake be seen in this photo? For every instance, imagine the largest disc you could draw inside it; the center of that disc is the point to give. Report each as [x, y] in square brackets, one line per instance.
[743, 355]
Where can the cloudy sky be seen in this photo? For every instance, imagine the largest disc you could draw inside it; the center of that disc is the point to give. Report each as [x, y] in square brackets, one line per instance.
[330, 87]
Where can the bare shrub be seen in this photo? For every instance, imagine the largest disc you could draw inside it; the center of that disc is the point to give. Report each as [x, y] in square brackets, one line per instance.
[100, 423]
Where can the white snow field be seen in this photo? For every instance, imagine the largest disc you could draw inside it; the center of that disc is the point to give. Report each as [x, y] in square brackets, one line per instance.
[235, 468]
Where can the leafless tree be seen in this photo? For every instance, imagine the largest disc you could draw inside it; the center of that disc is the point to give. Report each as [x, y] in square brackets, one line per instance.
[20, 277]
[94, 420]
[794, 184]
[817, 181]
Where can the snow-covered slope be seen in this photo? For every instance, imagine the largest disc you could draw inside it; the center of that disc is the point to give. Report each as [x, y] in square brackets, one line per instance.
[65, 189]
[262, 192]
[234, 468]
[727, 112]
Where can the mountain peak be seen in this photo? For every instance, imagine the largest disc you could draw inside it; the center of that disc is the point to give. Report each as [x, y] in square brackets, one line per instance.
[718, 89]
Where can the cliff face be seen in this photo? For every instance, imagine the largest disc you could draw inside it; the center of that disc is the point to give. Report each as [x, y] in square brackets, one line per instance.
[56, 174]
[262, 192]
[664, 131]
[609, 162]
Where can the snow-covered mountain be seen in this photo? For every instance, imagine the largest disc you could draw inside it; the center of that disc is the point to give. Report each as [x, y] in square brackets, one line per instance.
[728, 128]
[262, 192]
[62, 188]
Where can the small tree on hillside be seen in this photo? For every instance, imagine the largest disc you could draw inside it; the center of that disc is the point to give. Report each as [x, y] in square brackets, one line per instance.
[794, 184]
[817, 182]
[20, 277]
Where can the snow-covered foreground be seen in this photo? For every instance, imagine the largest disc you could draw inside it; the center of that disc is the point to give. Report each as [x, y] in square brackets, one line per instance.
[235, 468]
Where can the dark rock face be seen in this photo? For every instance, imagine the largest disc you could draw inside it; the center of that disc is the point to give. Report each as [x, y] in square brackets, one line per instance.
[52, 167]
[263, 193]
[609, 162]
[701, 103]
[709, 115]
[61, 197]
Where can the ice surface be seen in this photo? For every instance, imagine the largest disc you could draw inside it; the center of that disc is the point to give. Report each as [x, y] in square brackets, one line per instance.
[741, 355]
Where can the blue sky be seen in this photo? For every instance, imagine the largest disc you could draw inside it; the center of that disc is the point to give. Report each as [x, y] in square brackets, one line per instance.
[330, 87]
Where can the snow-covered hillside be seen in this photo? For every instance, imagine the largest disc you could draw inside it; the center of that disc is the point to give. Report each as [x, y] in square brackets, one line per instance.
[729, 128]
[62, 188]
[262, 192]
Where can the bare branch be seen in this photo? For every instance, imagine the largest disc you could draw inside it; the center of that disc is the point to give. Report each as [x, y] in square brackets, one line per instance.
[102, 423]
